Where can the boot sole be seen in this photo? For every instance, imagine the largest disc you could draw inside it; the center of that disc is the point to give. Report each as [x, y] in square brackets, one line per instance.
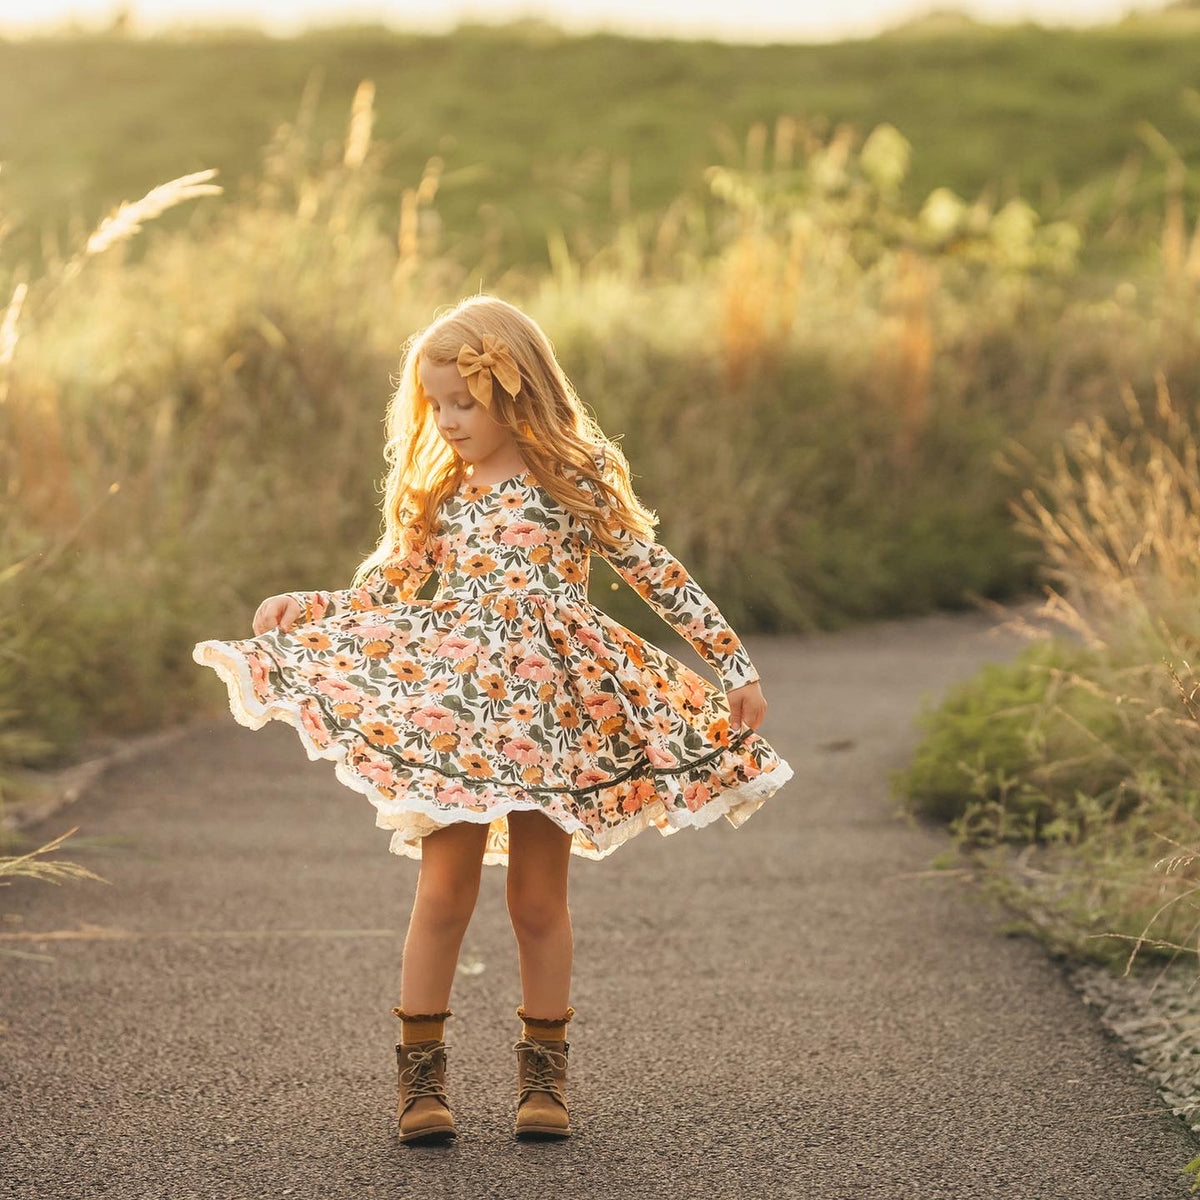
[541, 1132]
[429, 1135]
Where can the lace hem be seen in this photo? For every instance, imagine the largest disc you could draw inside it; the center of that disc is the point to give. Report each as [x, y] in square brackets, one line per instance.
[414, 817]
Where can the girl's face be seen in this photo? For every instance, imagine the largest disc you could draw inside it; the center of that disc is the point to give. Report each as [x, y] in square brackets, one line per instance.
[461, 420]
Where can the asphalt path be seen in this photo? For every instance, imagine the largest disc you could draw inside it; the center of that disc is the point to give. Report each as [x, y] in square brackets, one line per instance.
[787, 1009]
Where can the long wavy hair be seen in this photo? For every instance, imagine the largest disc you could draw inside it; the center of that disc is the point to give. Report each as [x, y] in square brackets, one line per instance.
[562, 444]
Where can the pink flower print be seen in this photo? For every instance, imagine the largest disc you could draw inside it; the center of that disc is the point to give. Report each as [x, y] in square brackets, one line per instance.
[590, 640]
[662, 724]
[695, 796]
[311, 672]
[535, 666]
[600, 705]
[573, 763]
[312, 723]
[458, 647]
[659, 757]
[372, 630]
[589, 742]
[523, 750]
[435, 719]
[695, 694]
[523, 533]
[454, 793]
[258, 674]
[377, 771]
[338, 689]
[589, 776]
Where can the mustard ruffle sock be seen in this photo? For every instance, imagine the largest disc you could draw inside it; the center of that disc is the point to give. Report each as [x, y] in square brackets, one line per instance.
[546, 1029]
[421, 1027]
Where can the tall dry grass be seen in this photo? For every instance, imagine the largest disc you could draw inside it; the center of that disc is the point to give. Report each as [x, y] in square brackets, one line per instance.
[1104, 803]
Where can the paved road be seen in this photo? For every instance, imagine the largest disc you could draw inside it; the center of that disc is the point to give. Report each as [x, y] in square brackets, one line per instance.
[771, 1011]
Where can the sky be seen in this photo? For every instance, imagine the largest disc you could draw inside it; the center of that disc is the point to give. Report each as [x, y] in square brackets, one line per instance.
[745, 21]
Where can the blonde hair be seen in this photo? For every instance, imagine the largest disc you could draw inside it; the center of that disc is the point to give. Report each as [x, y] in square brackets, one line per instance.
[564, 447]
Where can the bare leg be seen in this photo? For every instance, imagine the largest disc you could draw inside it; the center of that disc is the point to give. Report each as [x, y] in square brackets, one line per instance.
[538, 858]
[447, 888]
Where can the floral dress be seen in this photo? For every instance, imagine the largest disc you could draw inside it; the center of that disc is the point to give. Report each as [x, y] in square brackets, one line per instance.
[507, 689]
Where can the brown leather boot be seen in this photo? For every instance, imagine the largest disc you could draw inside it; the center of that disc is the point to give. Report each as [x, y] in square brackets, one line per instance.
[542, 1081]
[423, 1108]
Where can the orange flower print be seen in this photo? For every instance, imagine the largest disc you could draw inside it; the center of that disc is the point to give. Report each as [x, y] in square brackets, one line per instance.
[313, 639]
[479, 564]
[347, 710]
[725, 642]
[609, 802]
[444, 743]
[407, 669]
[673, 576]
[695, 796]
[476, 766]
[493, 687]
[503, 606]
[380, 733]
[515, 579]
[638, 794]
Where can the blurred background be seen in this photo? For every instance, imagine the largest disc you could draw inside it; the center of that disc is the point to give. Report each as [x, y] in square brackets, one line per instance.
[915, 289]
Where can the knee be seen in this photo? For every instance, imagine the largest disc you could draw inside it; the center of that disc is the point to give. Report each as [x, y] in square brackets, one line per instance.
[445, 905]
[536, 913]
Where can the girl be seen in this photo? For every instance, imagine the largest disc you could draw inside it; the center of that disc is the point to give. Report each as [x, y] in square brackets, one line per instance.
[505, 720]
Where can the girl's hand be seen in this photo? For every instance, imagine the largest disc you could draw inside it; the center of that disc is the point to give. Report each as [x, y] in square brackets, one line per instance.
[746, 704]
[281, 611]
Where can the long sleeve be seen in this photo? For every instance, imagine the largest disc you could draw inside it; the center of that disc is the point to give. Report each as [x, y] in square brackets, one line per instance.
[394, 582]
[666, 585]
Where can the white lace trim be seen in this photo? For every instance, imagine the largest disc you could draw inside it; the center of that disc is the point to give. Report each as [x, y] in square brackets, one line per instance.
[414, 817]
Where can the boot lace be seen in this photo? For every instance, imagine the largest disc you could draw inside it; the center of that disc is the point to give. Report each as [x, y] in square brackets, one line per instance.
[539, 1069]
[419, 1076]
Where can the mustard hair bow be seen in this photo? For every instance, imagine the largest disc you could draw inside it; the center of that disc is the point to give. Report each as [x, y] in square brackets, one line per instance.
[478, 368]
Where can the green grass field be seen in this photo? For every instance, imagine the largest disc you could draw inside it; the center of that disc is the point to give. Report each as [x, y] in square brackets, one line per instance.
[537, 130]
